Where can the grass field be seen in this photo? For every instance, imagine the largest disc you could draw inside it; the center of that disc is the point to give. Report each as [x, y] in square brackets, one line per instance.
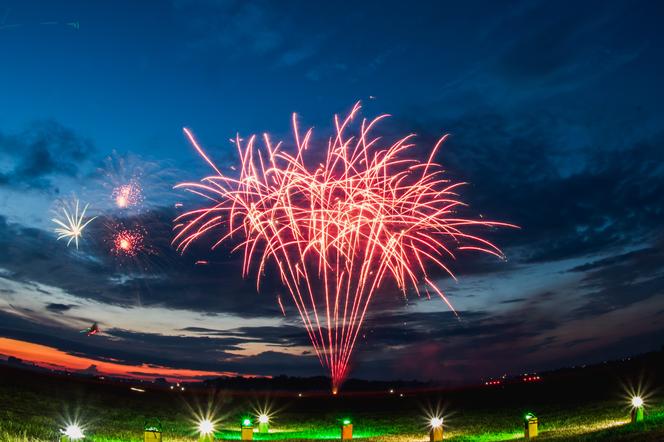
[34, 406]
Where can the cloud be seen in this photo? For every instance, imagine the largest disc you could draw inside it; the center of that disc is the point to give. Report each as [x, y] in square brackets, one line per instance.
[622, 280]
[161, 277]
[563, 43]
[58, 308]
[135, 348]
[569, 199]
[39, 154]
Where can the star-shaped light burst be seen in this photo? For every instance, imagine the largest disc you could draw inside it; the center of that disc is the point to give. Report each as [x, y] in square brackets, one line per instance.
[70, 224]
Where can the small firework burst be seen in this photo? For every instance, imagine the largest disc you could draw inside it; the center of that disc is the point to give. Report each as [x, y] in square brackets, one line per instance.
[71, 223]
[127, 195]
[128, 242]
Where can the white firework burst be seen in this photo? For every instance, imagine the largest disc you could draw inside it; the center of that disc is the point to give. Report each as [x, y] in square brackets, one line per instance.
[72, 223]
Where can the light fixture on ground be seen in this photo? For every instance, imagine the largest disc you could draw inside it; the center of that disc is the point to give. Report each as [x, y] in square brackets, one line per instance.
[72, 432]
[247, 429]
[530, 425]
[263, 424]
[637, 409]
[205, 430]
[436, 432]
[346, 429]
[152, 431]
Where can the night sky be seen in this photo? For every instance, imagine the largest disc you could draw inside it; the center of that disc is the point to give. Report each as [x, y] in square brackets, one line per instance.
[555, 116]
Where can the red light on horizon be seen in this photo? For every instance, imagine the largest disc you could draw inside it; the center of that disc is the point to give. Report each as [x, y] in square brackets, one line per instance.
[531, 379]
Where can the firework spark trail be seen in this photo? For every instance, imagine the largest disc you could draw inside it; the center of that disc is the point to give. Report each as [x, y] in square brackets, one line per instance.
[338, 231]
[281, 305]
[72, 224]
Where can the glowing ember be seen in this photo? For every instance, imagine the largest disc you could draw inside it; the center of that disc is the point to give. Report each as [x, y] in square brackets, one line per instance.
[336, 231]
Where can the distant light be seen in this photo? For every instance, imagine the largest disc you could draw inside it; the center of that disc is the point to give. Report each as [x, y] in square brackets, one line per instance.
[263, 419]
[637, 402]
[140, 390]
[391, 391]
[299, 395]
[436, 422]
[181, 388]
[73, 432]
[205, 426]
[246, 422]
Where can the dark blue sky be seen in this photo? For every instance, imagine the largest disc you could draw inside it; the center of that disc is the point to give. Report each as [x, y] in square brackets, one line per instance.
[556, 119]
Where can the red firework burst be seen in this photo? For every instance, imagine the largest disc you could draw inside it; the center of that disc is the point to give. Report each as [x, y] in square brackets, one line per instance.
[128, 242]
[127, 195]
[338, 230]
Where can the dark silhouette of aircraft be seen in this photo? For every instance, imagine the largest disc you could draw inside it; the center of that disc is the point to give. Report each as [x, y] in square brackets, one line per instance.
[92, 330]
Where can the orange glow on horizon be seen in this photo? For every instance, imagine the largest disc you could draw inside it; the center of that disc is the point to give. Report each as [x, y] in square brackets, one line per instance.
[52, 358]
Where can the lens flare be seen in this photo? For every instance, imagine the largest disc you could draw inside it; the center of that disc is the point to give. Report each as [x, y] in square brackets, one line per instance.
[638, 392]
[265, 415]
[338, 230]
[205, 418]
[73, 432]
[71, 224]
[205, 427]
[436, 422]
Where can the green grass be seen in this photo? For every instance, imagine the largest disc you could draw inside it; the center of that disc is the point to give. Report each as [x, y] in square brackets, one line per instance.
[35, 410]
[108, 423]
